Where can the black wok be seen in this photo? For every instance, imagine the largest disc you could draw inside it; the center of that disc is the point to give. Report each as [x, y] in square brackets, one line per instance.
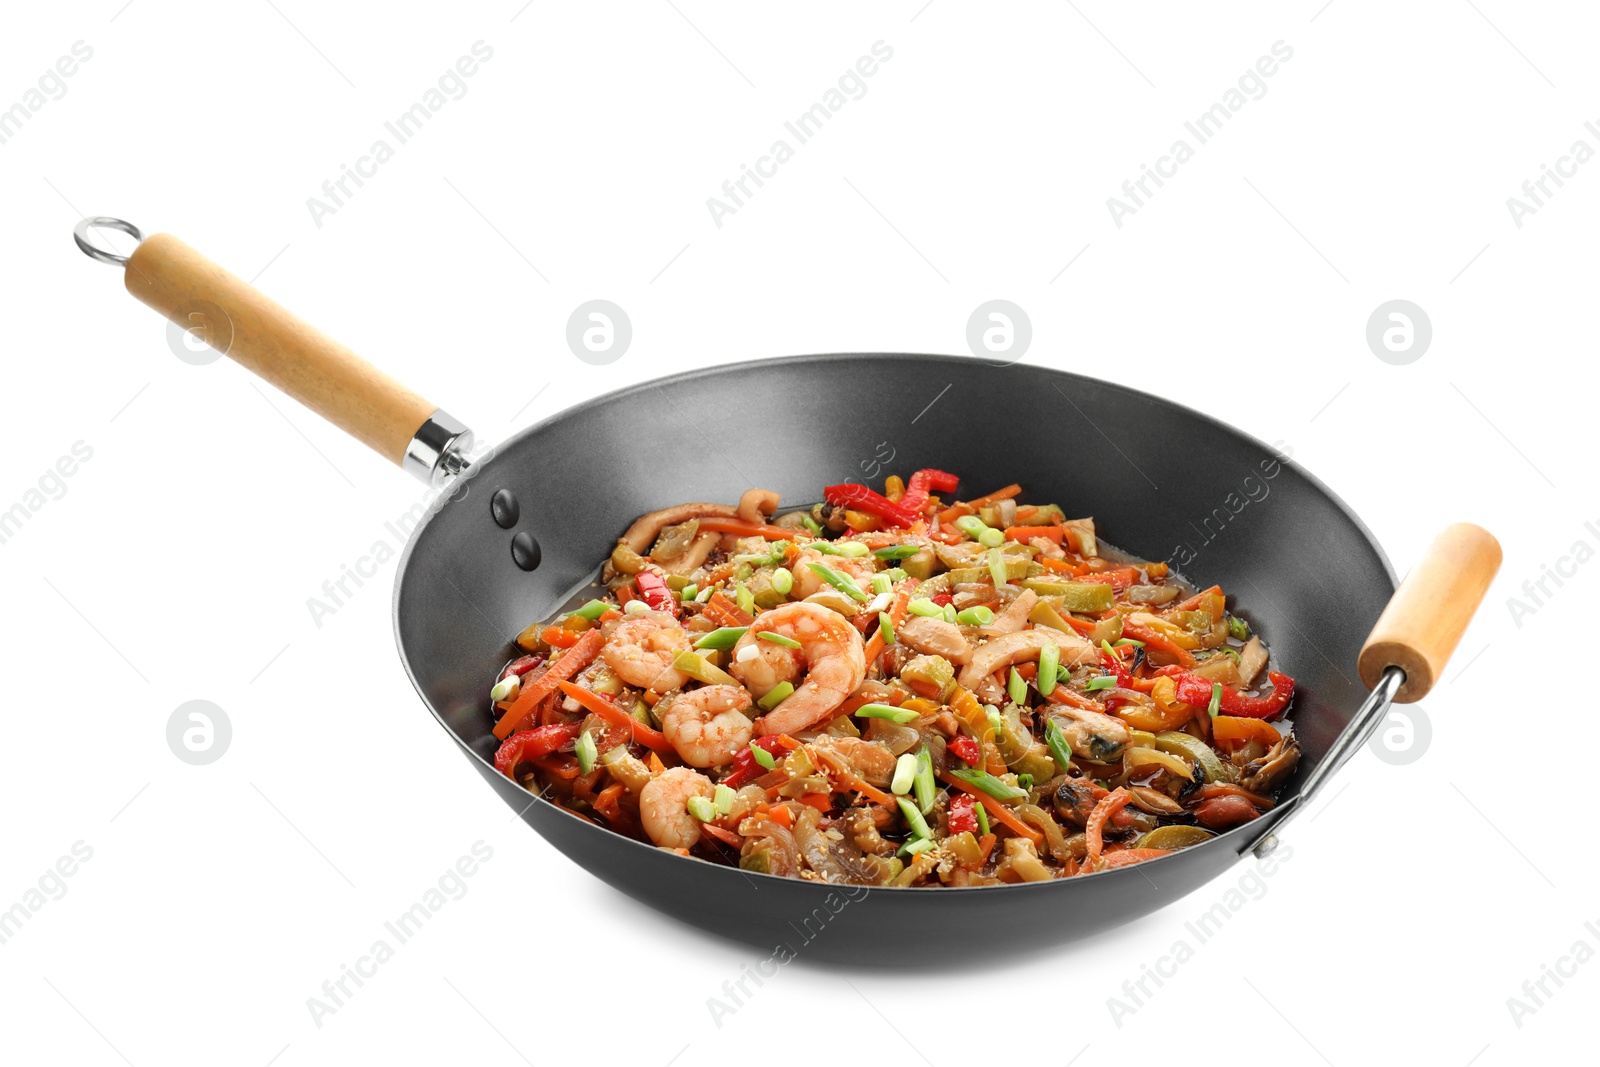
[1162, 481]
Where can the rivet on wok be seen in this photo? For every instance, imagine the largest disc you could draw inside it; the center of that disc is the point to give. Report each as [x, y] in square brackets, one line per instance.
[525, 550]
[503, 506]
[1266, 846]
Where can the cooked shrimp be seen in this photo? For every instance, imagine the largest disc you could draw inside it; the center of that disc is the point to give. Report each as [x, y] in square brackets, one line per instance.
[835, 661]
[641, 649]
[807, 581]
[664, 806]
[1024, 645]
[708, 725]
[761, 666]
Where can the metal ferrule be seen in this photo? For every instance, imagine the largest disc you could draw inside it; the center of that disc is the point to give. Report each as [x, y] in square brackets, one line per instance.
[438, 450]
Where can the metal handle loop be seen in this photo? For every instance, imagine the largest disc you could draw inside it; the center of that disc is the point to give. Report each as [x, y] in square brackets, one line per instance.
[80, 234]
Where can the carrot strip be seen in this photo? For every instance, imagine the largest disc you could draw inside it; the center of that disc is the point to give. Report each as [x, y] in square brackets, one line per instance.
[897, 615]
[1129, 856]
[953, 512]
[606, 802]
[998, 495]
[859, 785]
[821, 801]
[1094, 829]
[1061, 566]
[1025, 534]
[575, 659]
[725, 612]
[996, 810]
[647, 736]
[749, 529]
[655, 764]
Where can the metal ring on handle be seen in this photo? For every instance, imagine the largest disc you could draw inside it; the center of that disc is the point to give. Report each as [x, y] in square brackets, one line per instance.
[80, 234]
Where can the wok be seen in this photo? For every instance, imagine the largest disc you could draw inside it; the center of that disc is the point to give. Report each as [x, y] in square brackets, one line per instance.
[514, 535]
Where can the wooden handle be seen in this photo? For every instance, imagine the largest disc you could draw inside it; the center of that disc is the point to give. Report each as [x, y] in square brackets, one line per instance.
[313, 368]
[1427, 615]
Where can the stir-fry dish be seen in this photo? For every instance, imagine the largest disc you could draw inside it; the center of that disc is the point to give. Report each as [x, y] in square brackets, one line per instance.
[896, 689]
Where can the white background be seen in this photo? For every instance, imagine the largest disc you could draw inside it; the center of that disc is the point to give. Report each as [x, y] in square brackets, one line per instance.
[179, 561]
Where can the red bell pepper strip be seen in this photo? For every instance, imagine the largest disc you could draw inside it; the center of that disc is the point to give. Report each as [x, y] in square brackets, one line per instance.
[521, 666]
[1196, 691]
[966, 748]
[860, 498]
[533, 744]
[916, 494]
[964, 813]
[745, 767]
[533, 692]
[653, 591]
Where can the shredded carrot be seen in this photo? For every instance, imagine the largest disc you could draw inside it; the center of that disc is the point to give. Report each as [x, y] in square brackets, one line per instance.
[655, 764]
[1026, 511]
[717, 833]
[725, 612]
[995, 809]
[609, 615]
[1094, 829]
[575, 659]
[1129, 856]
[821, 801]
[998, 495]
[648, 736]
[953, 512]
[749, 529]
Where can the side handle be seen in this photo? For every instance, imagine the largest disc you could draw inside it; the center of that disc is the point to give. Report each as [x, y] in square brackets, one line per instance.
[1430, 611]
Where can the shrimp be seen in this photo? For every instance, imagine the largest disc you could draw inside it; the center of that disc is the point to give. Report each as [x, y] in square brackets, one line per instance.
[707, 725]
[807, 581]
[664, 806]
[641, 649]
[762, 666]
[935, 637]
[834, 656]
[1023, 645]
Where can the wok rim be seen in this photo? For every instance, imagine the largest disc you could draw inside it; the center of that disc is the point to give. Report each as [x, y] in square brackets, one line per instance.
[1250, 832]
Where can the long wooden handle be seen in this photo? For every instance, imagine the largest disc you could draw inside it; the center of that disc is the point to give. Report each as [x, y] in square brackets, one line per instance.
[1427, 615]
[313, 368]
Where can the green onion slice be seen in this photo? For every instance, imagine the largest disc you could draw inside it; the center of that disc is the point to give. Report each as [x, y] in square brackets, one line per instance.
[886, 627]
[1105, 681]
[886, 711]
[766, 759]
[838, 581]
[777, 638]
[897, 551]
[701, 808]
[775, 696]
[723, 637]
[923, 783]
[914, 819]
[587, 752]
[1215, 707]
[1016, 688]
[975, 616]
[989, 784]
[905, 772]
[593, 610]
[1057, 743]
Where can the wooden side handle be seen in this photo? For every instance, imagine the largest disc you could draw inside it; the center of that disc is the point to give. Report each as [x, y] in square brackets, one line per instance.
[313, 368]
[1427, 615]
